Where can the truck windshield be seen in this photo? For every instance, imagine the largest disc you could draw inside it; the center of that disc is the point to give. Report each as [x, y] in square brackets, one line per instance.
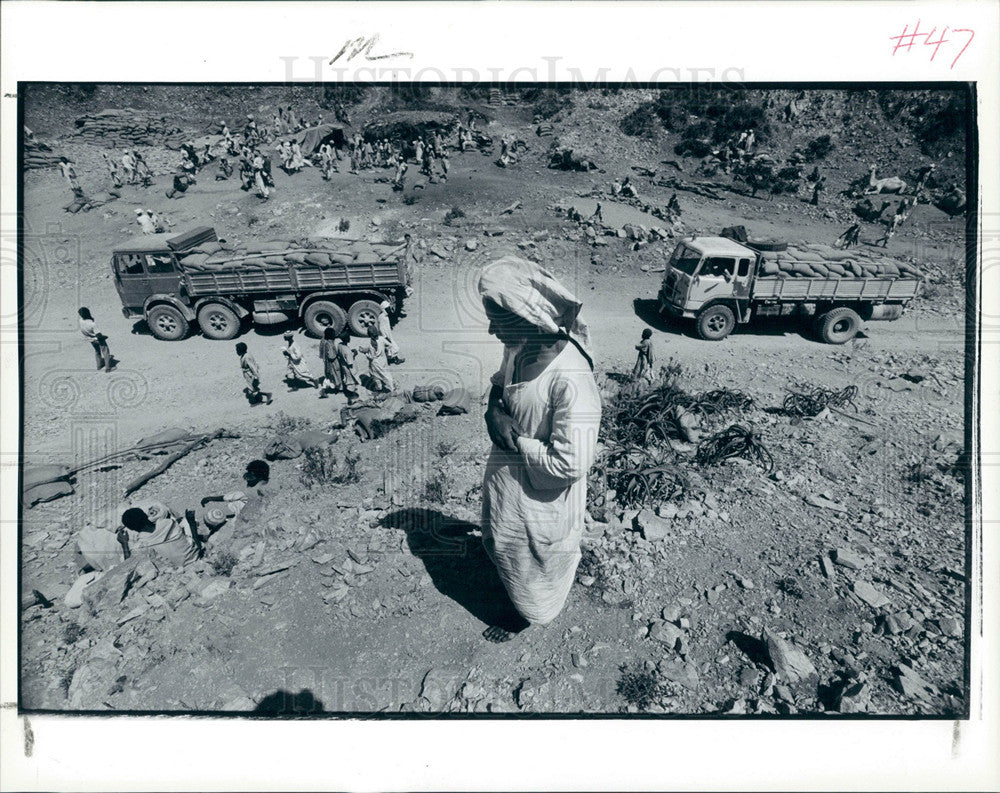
[685, 259]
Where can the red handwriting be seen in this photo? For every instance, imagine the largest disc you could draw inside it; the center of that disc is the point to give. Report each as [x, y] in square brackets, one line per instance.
[906, 40]
[363, 45]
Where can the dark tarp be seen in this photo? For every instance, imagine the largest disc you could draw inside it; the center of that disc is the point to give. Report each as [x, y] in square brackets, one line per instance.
[311, 138]
[409, 125]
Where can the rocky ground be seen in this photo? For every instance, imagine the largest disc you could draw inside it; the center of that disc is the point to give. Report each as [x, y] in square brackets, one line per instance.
[835, 583]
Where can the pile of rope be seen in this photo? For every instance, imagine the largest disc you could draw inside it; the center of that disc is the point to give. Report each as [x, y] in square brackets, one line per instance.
[637, 462]
[637, 475]
[640, 417]
[813, 402]
[734, 441]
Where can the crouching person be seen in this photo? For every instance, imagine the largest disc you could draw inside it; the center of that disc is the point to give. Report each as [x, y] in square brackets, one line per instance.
[237, 506]
[148, 526]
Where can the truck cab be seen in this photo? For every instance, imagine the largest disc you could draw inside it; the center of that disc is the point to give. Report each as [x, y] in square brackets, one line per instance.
[142, 270]
[146, 266]
[705, 270]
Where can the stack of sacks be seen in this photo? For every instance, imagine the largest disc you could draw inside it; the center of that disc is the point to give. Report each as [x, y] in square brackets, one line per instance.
[279, 253]
[38, 155]
[823, 261]
[128, 125]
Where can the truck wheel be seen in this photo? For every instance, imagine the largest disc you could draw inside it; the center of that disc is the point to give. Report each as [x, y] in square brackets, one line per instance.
[361, 314]
[218, 321]
[839, 326]
[167, 323]
[715, 323]
[767, 246]
[323, 314]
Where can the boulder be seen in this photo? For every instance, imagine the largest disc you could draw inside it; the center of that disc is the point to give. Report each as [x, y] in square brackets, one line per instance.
[790, 663]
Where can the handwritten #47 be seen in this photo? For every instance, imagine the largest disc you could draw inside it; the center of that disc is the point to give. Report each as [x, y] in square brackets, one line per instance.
[906, 40]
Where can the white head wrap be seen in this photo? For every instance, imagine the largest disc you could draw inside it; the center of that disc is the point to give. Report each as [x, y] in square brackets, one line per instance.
[534, 294]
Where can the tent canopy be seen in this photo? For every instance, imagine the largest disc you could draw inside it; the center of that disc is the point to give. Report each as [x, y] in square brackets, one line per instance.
[311, 138]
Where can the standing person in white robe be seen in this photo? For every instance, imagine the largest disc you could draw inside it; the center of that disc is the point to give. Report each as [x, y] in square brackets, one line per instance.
[385, 328]
[543, 417]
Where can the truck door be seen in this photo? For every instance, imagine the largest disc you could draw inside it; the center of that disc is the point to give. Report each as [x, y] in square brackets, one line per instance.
[162, 273]
[741, 286]
[714, 279]
[131, 280]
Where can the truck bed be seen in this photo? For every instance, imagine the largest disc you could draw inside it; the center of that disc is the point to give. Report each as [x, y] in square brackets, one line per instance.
[294, 277]
[879, 290]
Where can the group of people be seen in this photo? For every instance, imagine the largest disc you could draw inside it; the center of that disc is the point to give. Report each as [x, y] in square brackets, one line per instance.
[338, 361]
[737, 149]
[172, 537]
[150, 222]
[852, 235]
[130, 169]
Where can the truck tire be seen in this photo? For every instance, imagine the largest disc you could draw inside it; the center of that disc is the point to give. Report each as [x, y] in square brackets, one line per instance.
[361, 314]
[767, 246]
[715, 323]
[839, 325]
[218, 322]
[323, 314]
[167, 323]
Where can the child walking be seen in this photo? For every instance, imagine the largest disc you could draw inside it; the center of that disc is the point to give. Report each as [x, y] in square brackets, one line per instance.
[89, 331]
[644, 359]
[251, 373]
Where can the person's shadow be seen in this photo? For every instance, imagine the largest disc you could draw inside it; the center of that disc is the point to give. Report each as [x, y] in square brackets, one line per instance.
[285, 703]
[456, 562]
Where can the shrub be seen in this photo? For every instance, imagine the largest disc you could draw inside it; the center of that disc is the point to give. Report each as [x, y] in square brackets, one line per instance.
[548, 102]
[693, 148]
[437, 487]
[223, 563]
[286, 425]
[641, 689]
[818, 148]
[453, 214]
[326, 466]
[72, 633]
[743, 115]
[642, 122]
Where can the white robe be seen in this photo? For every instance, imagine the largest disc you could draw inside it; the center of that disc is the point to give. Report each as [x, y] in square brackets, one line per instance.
[534, 500]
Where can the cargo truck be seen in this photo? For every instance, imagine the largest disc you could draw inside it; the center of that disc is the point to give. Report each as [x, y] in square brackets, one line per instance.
[719, 282]
[177, 281]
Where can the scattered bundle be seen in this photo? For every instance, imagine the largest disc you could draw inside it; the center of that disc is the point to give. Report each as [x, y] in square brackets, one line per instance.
[722, 400]
[641, 417]
[128, 125]
[734, 441]
[813, 402]
[544, 130]
[824, 261]
[638, 477]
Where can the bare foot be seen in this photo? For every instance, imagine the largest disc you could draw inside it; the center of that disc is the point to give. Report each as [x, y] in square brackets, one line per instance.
[509, 628]
[496, 634]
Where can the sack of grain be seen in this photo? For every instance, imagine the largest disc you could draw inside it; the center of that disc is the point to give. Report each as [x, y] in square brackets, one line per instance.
[194, 260]
[319, 259]
[272, 245]
[296, 257]
[274, 259]
[769, 268]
